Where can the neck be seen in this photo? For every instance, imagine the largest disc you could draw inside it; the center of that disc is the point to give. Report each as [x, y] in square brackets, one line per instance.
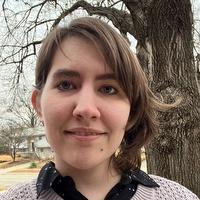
[94, 183]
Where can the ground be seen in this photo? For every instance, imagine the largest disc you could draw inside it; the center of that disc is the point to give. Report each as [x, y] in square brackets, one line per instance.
[6, 161]
[14, 172]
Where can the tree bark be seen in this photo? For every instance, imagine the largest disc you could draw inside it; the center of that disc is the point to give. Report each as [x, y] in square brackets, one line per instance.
[167, 56]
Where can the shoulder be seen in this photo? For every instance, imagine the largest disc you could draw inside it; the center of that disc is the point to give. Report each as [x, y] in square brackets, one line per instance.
[23, 191]
[172, 190]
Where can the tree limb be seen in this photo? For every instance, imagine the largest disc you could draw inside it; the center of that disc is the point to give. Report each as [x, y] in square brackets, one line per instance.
[138, 10]
[121, 19]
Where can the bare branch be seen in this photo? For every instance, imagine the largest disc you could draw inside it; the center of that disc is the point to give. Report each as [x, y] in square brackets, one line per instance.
[121, 19]
[138, 10]
[25, 44]
[22, 109]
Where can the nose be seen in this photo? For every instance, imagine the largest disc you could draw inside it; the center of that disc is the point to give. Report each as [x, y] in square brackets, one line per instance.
[85, 106]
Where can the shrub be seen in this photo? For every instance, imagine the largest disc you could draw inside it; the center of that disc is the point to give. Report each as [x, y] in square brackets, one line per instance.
[33, 165]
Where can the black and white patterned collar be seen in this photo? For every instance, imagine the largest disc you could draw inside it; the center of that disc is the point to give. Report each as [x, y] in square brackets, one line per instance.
[49, 177]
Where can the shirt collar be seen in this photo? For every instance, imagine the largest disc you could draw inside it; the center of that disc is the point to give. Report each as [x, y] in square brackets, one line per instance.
[46, 177]
[138, 176]
[48, 174]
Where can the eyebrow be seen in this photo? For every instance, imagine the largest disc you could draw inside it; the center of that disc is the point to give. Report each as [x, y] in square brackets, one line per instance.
[106, 76]
[75, 74]
[67, 73]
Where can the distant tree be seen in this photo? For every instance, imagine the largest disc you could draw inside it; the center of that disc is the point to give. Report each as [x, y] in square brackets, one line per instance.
[11, 137]
[21, 108]
[3, 149]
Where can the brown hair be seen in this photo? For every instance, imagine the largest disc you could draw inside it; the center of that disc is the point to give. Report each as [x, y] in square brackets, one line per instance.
[118, 55]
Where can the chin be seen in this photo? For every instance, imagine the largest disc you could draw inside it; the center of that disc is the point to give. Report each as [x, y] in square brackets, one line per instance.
[84, 165]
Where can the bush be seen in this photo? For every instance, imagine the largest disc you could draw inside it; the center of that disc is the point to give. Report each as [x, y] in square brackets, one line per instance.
[33, 165]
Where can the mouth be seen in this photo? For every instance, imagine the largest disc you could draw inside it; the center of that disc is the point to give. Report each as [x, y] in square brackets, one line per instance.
[84, 134]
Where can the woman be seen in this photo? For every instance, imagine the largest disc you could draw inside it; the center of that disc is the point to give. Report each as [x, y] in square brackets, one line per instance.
[92, 97]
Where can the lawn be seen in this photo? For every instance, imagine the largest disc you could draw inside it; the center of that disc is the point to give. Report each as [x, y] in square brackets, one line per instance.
[6, 161]
[2, 188]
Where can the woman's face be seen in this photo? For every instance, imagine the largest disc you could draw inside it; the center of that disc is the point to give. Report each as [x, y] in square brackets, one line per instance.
[83, 108]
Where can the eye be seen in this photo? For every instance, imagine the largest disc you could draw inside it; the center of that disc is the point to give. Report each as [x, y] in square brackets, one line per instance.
[108, 90]
[65, 85]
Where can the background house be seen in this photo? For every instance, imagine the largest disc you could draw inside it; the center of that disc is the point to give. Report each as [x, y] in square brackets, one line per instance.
[35, 144]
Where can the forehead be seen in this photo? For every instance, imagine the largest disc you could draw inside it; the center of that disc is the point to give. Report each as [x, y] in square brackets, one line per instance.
[79, 54]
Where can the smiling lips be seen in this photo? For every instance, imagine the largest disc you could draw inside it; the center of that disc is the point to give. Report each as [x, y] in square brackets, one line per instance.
[84, 134]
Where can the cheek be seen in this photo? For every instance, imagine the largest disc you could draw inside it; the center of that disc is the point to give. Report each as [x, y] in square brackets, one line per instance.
[117, 115]
[55, 111]
[54, 115]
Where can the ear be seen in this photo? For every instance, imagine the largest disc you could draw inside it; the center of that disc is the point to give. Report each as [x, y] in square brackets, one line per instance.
[35, 99]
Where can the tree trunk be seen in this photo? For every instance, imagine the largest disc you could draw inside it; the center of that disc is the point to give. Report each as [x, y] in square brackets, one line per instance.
[13, 154]
[169, 64]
